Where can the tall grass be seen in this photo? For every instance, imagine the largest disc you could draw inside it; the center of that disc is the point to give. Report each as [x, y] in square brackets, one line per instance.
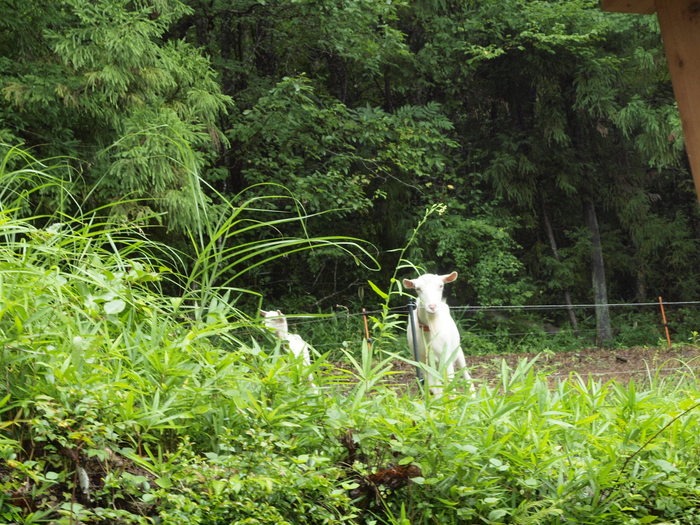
[524, 452]
[100, 364]
[121, 404]
[244, 233]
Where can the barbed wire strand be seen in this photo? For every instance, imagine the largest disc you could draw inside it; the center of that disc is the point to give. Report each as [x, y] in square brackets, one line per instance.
[299, 319]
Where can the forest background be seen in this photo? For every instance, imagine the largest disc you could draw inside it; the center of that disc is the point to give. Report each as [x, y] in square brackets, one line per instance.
[548, 130]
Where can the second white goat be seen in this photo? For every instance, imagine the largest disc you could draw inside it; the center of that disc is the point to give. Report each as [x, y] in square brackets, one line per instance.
[277, 321]
[437, 341]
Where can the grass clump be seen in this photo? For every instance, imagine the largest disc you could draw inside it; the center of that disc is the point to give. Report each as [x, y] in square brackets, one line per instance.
[114, 388]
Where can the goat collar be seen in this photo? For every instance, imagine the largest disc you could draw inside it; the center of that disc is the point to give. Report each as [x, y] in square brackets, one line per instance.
[422, 325]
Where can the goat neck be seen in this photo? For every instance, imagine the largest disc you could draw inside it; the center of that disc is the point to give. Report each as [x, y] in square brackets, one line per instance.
[428, 315]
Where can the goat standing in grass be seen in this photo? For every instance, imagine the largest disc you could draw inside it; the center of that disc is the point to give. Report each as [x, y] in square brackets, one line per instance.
[437, 337]
[277, 321]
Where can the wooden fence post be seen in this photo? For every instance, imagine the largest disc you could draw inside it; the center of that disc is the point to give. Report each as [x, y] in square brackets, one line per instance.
[665, 322]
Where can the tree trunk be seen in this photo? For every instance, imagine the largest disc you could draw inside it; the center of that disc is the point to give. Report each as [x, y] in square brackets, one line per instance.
[555, 252]
[600, 291]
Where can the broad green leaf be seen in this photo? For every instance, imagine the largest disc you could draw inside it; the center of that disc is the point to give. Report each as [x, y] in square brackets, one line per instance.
[115, 306]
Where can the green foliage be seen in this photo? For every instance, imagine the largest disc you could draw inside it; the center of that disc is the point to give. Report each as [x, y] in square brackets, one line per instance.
[484, 248]
[516, 114]
[246, 236]
[292, 139]
[102, 367]
[332, 157]
[135, 386]
[254, 478]
[523, 335]
[348, 45]
[563, 89]
[31, 185]
[343, 163]
[101, 84]
[120, 409]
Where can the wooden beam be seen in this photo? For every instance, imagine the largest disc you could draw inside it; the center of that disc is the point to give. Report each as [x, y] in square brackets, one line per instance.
[644, 7]
[680, 31]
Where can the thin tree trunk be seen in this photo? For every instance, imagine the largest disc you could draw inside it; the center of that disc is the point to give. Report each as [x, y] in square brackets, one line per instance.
[555, 251]
[600, 291]
[641, 284]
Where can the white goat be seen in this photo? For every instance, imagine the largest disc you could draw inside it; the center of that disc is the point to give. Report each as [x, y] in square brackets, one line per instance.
[437, 337]
[277, 321]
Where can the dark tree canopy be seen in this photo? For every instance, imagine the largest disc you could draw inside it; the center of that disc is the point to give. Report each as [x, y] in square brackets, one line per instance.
[523, 117]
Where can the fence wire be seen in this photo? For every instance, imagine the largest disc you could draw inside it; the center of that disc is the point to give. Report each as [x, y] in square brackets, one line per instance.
[343, 312]
[515, 338]
[304, 323]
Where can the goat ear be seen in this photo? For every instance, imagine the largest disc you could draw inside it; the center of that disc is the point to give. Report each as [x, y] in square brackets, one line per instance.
[449, 277]
[408, 283]
[279, 312]
[263, 313]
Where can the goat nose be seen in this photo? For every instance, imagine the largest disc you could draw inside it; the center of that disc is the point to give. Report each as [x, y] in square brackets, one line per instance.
[432, 307]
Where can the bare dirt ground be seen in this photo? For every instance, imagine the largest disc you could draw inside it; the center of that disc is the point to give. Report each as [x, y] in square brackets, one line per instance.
[638, 363]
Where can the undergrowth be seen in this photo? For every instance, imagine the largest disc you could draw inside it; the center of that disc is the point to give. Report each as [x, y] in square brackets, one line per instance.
[123, 404]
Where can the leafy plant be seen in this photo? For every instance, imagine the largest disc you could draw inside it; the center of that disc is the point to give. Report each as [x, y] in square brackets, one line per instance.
[102, 365]
[99, 81]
